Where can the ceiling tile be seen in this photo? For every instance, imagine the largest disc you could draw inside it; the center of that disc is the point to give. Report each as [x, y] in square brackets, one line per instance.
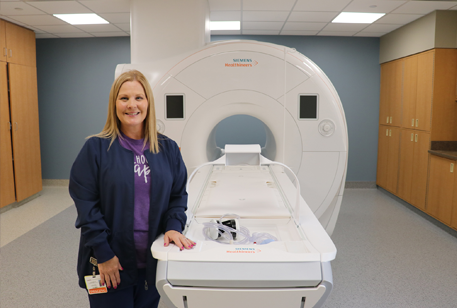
[224, 5]
[225, 16]
[381, 28]
[370, 34]
[398, 19]
[109, 34]
[423, 7]
[98, 28]
[60, 7]
[268, 5]
[45, 35]
[335, 33]
[225, 32]
[18, 8]
[312, 16]
[265, 16]
[124, 27]
[338, 27]
[108, 6]
[72, 35]
[40, 20]
[321, 5]
[117, 18]
[298, 32]
[260, 32]
[373, 6]
[256, 25]
[59, 29]
[309, 26]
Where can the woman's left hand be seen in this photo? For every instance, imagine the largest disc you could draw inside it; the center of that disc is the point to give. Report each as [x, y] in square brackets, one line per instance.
[178, 239]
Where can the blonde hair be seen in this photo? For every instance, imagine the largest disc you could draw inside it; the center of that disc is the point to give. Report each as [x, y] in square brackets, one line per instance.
[111, 129]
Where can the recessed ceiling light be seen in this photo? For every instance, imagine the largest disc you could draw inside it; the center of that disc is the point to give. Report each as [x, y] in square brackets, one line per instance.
[224, 25]
[357, 18]
[82, 19]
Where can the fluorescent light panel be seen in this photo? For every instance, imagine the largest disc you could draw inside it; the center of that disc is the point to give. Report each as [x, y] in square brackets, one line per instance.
[357, 18]
[225, 25]
[82, 19]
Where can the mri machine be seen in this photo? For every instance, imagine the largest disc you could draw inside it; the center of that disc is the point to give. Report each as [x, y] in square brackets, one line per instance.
[291, 189]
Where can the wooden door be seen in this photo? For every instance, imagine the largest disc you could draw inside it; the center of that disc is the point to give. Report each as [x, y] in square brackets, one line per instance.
[406, 164]
[393, 159]
[440, 189]
[420, 169]
[383, 149]
[454, 208]
[26, 137]
[425, 65]
[21, 45]
[409, 92]
[3, 49]
[7, 195]
[396, 93]
[384, 97]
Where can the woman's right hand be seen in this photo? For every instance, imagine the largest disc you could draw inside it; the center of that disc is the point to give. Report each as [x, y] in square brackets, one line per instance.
[109, 272]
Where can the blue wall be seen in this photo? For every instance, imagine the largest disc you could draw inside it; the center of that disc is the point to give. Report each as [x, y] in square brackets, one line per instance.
[75, 75]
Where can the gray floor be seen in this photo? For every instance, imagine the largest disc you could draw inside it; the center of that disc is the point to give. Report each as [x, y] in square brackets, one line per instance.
[388, 256]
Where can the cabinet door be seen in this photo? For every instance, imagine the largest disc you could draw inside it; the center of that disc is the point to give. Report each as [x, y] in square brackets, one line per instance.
[440, 189]
[425, 63]
[383, 150]
[7, 195]
[21, 45]
[3, 50]
[409, 92]
[406, 164]
[420, 169]
[388, 157]
[26, 137]
[393, 159]
[396, 93]
[384, 97]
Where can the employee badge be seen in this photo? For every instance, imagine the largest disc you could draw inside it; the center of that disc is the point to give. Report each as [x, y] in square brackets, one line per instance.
[93, 281]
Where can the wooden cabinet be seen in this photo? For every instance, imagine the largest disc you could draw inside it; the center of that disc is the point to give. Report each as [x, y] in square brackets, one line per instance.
[7, 194]
[3, 49]
[413, 167]
[391, 91]
[18, 44]
[20, 156]
[388, 158]
[440, 192]
[417, 91]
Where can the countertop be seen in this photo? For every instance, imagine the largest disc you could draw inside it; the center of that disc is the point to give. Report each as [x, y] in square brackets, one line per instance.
[446, 149]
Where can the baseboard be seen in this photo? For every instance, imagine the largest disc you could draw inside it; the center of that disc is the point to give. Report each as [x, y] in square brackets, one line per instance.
[360, 185]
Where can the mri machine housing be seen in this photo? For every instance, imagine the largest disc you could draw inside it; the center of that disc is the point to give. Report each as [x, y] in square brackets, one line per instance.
[306, 130]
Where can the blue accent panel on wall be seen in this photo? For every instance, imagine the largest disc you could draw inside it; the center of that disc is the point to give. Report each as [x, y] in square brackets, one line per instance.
[74, 80]
[75, 76]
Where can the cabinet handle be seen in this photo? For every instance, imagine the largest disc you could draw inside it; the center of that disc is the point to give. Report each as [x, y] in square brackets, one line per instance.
[16, 126]
[452, 168]
[417, 122]
[412, 122]
[5, 51]
[390, 133]
[412, 136]
[387, 120]
[391, 120]
[387, 132]
[11, 53]
[416, 138]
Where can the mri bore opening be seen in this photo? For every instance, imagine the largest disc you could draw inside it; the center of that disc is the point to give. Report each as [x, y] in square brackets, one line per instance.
[240, 129]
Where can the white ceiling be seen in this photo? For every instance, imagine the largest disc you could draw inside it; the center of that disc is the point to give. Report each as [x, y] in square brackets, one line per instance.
[258, 17]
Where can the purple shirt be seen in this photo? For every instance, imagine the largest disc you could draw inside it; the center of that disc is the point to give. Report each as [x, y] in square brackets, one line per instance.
[142, 197]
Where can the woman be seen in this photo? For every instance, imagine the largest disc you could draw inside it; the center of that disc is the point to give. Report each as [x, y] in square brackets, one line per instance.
[128, 184]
